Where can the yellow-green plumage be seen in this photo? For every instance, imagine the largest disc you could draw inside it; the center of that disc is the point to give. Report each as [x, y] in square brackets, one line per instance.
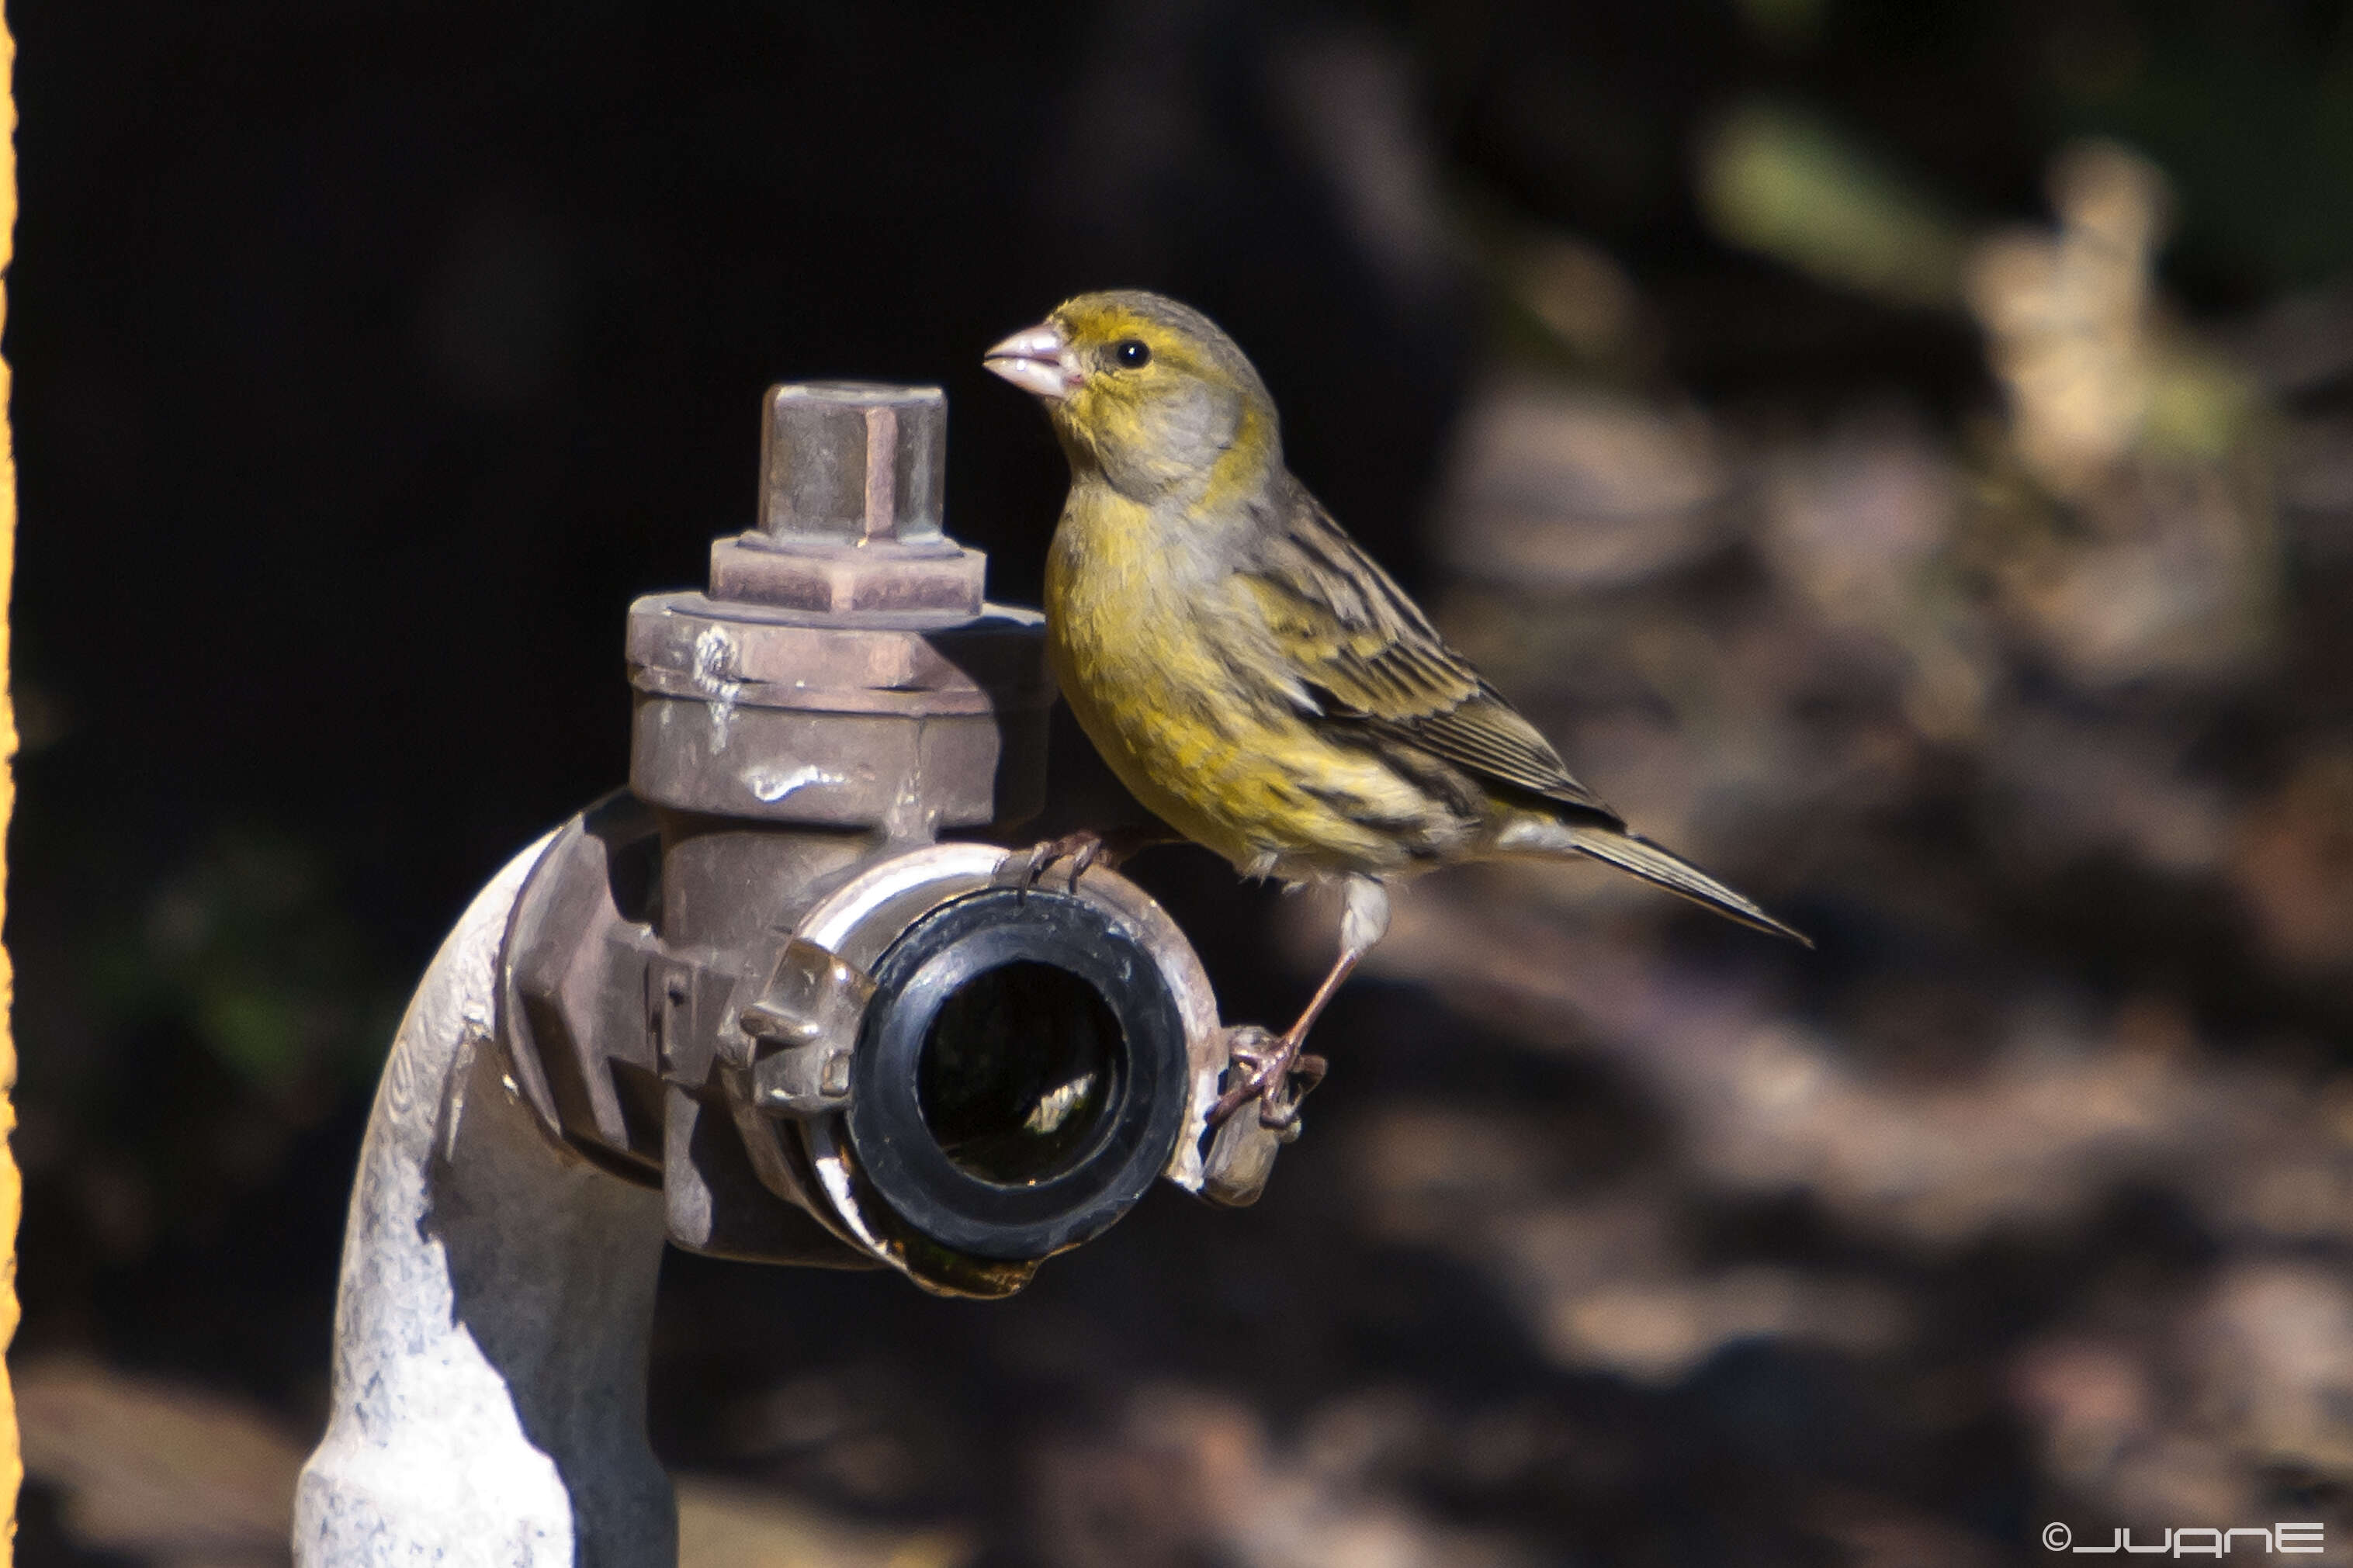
[1183, 716]
[1249, 673]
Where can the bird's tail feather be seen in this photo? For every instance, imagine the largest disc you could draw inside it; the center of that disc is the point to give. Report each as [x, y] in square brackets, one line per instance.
[1550, 836]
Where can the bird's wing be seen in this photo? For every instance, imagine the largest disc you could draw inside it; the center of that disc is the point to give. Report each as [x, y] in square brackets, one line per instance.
[1360, 652]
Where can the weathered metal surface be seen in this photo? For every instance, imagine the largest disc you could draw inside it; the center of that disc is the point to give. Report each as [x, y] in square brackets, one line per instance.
[846, 579]
[613, 1029]
[490, 1327]
[644, 1026]
[851, 477]
[574, 988]
[859, 462]
[803, 1027]
[1234, 1172]
[821, 768]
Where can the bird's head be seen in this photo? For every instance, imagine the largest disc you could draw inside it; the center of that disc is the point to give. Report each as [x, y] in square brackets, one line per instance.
[1148, 393]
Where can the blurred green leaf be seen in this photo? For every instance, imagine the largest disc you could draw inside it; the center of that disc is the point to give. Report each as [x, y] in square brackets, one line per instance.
[1790, 24]
[254, 1028]
[2251, 116]
[1784, 181]
[244, 945]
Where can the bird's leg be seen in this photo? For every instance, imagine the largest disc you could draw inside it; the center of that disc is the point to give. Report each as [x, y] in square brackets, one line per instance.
[1086, 850]
[1280, 1078]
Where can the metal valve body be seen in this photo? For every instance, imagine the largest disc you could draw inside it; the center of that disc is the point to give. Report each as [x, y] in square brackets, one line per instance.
[840, 696]
[752, 1005]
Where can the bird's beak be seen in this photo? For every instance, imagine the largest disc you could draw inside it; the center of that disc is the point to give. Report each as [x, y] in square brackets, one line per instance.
[1038, 360]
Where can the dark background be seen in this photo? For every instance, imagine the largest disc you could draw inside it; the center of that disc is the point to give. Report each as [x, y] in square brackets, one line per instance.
[371, 357]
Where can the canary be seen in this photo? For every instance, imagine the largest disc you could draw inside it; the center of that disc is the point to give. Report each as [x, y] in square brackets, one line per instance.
[1255, 679]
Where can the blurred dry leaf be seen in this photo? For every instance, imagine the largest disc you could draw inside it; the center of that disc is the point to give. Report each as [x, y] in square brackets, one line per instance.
[2067, 316]
[1600, 1278]
[1583, 297]
[2061, 790]
[1876, 1532]
[2123, 1435]
[2090, 1399]
[2294, 864]
[1660, 1331]
[1855, 520]
[2165, 570]
[1191, 1476]
[2059, 1115]
[727, 1525]
[2159, 557]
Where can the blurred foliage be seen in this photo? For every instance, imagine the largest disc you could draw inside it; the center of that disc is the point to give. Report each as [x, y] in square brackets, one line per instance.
[1900, 452]
[2250, 109]
[246, 946]
[1785, 180]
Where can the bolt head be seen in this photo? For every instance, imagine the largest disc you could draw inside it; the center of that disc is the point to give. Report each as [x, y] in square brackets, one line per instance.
[849, 462]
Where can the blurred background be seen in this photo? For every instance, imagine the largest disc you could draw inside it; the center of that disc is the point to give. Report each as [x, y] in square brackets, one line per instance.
[1902, 452]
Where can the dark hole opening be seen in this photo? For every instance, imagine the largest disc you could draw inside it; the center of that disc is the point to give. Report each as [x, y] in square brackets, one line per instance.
[1018, 1070]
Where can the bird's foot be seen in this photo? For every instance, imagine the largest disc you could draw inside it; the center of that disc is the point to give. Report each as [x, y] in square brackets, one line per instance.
[1276, 1074]
[1085, 850]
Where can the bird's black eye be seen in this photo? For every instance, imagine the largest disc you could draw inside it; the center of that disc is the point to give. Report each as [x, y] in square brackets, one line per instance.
[1133, 354]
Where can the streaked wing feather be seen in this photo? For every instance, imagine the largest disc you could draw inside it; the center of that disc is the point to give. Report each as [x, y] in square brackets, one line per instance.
[1367, 656]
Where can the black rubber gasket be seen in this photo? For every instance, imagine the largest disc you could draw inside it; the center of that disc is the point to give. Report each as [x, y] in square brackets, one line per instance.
[915, 979]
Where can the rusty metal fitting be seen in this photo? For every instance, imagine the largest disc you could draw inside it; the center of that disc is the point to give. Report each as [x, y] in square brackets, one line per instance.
[741, 979]
[755, 989]
[852, 476]
[843, 671]
[729, 1075]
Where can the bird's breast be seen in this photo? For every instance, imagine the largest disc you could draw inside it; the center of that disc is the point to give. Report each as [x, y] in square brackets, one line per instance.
[1154, 653]
[1127, 633]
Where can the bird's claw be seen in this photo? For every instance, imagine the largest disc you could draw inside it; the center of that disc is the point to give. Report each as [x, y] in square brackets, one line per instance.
[1081, 850]
[1085, 850]
[1276, 1074]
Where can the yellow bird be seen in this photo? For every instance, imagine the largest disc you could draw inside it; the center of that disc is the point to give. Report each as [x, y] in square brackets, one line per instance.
[1250, 673]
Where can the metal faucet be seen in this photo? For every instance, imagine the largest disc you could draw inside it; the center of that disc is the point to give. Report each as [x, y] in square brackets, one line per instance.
[752, 1004]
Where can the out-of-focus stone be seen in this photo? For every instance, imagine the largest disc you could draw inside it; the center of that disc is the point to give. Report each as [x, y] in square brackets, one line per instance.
[1556, 486]
[2273, 1350]
[184, 1478]
[2062, 790]
[1861, 524]
[170, 1474]
[2089, 1399]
